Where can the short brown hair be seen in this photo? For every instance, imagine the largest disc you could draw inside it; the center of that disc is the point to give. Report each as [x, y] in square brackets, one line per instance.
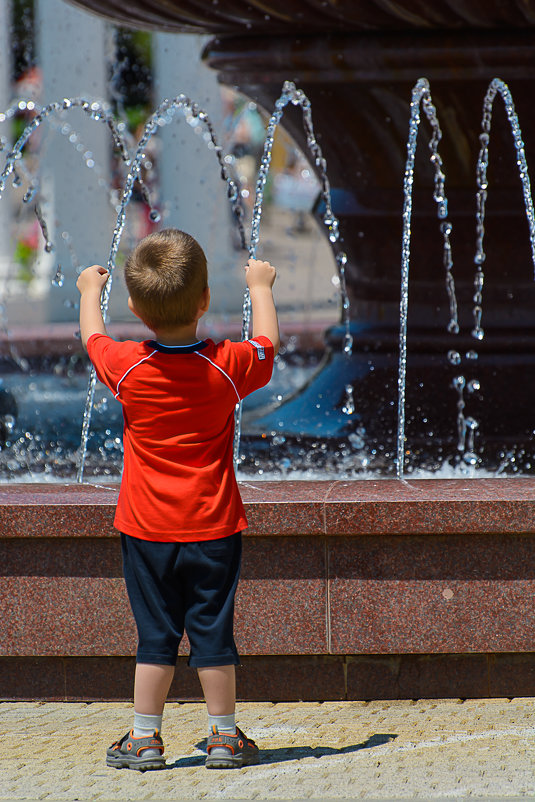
[166, 275]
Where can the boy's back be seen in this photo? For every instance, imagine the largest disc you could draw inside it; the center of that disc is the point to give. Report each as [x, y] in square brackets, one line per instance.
[178, 406]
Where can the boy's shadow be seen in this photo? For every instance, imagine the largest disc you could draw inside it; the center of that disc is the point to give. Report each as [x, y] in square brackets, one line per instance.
[287, 753]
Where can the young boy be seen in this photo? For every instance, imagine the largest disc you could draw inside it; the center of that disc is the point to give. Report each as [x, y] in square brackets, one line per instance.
[179, 510]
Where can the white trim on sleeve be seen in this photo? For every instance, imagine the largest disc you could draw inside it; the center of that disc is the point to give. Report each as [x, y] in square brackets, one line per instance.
[132, 368]
[199, 353]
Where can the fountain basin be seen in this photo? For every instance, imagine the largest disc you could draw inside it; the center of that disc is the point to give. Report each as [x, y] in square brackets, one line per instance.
[349, 590]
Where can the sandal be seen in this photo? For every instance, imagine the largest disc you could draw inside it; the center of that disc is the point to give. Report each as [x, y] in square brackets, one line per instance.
[128, 752]
[230, 751]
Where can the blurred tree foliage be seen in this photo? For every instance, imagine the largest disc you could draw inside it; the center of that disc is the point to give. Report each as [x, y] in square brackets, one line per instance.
[23, 15]
[131, 70]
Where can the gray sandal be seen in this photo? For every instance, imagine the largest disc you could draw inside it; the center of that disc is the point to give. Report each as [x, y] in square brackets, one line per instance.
[128, 753]
[230, 751]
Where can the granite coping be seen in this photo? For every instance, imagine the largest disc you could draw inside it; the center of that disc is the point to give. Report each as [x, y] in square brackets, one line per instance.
[366, 507]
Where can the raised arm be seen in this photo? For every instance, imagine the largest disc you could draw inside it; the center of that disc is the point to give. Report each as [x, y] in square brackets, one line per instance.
[90, 283]
[260, 277]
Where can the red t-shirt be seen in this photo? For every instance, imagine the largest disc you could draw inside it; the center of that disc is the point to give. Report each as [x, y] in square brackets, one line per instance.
[178, 406]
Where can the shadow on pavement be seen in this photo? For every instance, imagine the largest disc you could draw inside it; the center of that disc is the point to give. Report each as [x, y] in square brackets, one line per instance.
[287, 753]
[301, 752]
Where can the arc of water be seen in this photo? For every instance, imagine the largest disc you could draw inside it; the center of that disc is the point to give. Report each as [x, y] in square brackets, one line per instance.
[163, 115]
[291, 94]
[15, 165]
[421, 95]
[496, 86]
[96, 110]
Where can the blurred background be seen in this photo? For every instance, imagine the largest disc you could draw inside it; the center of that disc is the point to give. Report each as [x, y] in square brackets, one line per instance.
[51, 50]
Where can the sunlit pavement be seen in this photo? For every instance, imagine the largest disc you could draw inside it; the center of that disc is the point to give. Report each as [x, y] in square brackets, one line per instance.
[333, 750]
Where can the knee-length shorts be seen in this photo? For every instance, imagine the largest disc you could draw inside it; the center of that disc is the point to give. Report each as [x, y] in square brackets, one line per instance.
[174, 587]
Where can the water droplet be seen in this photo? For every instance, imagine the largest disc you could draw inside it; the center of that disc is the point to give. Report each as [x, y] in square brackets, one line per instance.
[454, 357]
[155, 216]
[469, 458]
[29, 195]
[59, 278]
[349, 405]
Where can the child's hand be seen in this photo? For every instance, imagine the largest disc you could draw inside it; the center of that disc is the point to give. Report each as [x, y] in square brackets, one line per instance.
[259, 274]
[92, 278]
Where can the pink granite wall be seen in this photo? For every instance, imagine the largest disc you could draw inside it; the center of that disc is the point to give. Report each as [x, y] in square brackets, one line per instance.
[348, 590]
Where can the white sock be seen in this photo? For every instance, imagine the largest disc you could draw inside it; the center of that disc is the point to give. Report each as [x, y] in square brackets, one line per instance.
[224, 724]
[145, 726]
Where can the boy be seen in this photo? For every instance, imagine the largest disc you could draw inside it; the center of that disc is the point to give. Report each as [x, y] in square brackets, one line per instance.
[179, 510]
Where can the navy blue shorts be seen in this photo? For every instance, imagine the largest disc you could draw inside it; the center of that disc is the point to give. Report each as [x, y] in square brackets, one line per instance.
[177, 586]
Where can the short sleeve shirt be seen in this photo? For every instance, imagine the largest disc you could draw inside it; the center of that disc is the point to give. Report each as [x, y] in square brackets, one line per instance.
[178, 404]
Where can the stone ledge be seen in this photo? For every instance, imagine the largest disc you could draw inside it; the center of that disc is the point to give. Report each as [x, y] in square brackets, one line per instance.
[384, 507]
[330, 569]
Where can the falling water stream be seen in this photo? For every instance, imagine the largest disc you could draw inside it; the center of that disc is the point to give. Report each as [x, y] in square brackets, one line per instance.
[290, 94]
[466, 425]
[421, 96]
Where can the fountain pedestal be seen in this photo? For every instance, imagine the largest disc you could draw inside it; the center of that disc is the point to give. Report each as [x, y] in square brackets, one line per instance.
[362, 590]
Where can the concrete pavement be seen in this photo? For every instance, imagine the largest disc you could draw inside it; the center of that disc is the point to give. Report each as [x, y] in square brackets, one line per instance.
[427, 749]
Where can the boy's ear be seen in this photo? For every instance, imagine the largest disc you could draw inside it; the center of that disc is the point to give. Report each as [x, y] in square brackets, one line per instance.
[132, 307]
[204, 303]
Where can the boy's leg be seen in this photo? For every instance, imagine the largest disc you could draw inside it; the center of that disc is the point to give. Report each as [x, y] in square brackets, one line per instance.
[213, 570]
[157, 609]
[219, 688]
[227, 745]
[151, 686]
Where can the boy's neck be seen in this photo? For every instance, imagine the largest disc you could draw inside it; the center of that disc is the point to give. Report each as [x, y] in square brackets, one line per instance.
[181, 335]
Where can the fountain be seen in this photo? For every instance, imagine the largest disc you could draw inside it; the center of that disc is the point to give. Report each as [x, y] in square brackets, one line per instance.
[380, 588]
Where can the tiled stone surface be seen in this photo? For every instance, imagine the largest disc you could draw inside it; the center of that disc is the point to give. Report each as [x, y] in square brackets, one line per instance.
[411, 676]
[32, 678]
[431, 506]
[441, 594]
[57, 511]
[65, 616]
[298, 508]
[67, 597]
[347, 568]
[382, 750]
[51, 556]
[283, 678]
[512, 675]
[281, 604]
[270, 511]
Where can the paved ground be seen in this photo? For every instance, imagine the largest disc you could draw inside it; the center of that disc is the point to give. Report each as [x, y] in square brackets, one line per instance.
[333, 750]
